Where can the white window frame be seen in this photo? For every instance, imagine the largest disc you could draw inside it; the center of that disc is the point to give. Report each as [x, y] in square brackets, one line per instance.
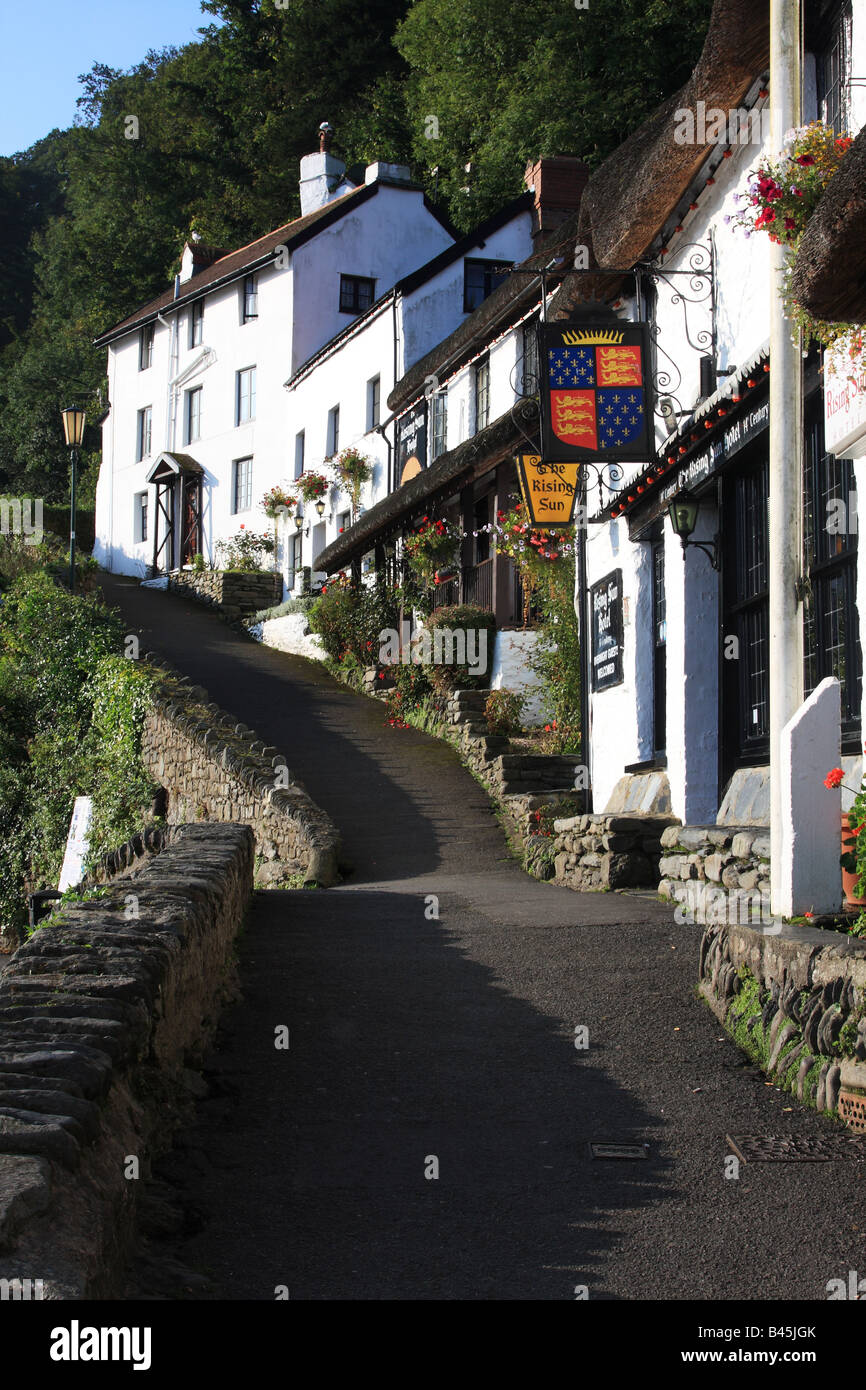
[140, 517]
[144, 433]
[332, 445]
[236, 509]
[374, 402]
[241, 419]
[196, 323]
[192, 395]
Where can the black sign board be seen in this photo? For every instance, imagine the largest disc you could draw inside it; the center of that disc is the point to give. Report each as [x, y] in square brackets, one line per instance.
[411, 443]
[596, 391]
[605, 601]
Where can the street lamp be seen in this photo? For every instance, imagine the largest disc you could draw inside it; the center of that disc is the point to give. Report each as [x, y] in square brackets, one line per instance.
[683, 512]
[73, 430]
[320, 507]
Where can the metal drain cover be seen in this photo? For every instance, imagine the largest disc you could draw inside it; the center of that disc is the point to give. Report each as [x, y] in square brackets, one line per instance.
[796, 1148]
[610, 1150]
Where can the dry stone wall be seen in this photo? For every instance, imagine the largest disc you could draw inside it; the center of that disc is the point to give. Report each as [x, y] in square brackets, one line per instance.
[234, 592]
[215, 769]
[103, 1012]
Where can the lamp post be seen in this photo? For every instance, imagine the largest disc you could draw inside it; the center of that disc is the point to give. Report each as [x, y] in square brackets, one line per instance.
[73, 430]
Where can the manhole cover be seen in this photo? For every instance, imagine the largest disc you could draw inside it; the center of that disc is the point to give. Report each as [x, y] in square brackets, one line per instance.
[796, 1148]
[608, 1150]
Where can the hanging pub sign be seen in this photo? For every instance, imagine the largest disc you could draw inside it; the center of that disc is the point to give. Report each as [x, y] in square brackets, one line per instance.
[606, 631]
[595, 391]
[412, 443]
[549, 490]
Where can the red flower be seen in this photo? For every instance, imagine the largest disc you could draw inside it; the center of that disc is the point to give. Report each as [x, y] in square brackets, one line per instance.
[805, 160]
[834, 778]
[381, 675]
[242, 527]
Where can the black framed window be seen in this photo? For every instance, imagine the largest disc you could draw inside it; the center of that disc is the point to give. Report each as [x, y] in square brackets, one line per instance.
[144, 433]
[660, 638]
[242, 485]
[140, 518]
[482, 394]
[833, 68]
[333, 434]
[746, 616]
[193, 415]
[831, 641]
[480, 279]
[245, 396]
[250, 299]
[145, 347]
[356, 293]
[439, 434]
[299, 453]
[196, 323]
[374, 392]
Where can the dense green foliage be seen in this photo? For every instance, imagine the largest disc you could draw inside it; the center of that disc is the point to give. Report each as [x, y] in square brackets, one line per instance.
[556, 660]
[93, 222]
[349, 621]
[72, 709]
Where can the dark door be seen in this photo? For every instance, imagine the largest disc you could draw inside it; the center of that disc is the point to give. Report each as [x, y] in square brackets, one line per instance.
[745, 617]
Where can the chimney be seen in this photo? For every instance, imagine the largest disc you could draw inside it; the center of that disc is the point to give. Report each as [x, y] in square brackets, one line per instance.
[558, 182]
[321, 174]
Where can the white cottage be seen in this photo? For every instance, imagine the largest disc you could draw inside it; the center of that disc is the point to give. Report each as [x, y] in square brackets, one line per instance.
[200, 426]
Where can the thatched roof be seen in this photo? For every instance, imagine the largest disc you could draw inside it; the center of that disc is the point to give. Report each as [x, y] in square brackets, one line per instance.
[830, 271]
[628, 199]
[452, 470]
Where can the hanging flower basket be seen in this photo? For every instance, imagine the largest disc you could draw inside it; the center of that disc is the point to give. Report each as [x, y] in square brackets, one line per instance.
[312, 486]
[432, 547]
[276, 502]
[353, 470]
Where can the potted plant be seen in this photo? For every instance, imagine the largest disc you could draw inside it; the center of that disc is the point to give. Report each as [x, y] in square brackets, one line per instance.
[313, 486]
[353, 470]
[853, 857]
[276, 502]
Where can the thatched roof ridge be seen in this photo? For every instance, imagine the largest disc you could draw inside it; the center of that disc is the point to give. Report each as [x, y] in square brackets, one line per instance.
[830, 271]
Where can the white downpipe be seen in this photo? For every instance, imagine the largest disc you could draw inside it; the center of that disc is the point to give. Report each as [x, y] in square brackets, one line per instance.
[786, 461]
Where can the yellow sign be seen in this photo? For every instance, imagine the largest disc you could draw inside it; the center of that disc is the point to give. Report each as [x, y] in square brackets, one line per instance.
[549, 490]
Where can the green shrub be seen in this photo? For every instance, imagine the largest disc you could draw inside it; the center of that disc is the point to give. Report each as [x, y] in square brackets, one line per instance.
[466, 619]
[502, 710]
[349, 620]
[72, 710]
[302, 604]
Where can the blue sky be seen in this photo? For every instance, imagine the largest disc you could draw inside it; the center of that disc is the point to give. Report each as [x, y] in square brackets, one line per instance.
[45, 46]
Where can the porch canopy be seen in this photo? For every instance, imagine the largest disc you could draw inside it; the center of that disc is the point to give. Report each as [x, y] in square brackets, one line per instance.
[164, 473]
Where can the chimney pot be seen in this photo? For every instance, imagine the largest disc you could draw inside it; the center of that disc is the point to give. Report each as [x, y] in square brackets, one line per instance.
[326, 135]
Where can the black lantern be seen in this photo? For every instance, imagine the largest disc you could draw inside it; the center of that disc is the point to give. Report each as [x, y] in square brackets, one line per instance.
[299, 520]
[320, 507]
[73, 433]
[683, 512]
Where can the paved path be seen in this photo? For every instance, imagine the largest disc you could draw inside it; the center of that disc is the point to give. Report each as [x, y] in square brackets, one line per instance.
[413, 1037]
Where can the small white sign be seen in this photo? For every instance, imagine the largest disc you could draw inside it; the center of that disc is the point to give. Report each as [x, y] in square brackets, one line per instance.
[844, 405]
[76, 844]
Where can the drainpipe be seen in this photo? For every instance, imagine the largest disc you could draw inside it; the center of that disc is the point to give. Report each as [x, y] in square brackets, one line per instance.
[786, 459]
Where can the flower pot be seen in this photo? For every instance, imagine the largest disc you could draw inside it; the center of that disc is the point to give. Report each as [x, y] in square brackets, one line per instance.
[849, 879]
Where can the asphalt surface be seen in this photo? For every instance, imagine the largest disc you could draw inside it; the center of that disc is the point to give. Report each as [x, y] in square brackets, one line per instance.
[414, 1037]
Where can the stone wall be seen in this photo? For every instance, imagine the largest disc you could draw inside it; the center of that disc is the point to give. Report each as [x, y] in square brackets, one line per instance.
[795, 999]
[214, 769]
[608, 851]
[104, 1013]
[234, 592]
[717, 873]
[290, 633]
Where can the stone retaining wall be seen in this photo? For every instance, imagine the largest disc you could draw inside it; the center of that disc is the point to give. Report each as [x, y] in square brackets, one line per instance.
[717, 873]
[795, 999]
[235, 593]
[214, 769]
[103, 1012]
[608, 851]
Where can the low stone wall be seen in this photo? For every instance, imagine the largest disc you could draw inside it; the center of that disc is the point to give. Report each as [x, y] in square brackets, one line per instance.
[292, 634]
[795, 999]
[103, 1012]
[235, 593]
[717, 873]
[214, 769]
[608, 851]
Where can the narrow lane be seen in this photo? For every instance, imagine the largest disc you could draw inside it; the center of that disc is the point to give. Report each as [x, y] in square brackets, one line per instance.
[415, 1038]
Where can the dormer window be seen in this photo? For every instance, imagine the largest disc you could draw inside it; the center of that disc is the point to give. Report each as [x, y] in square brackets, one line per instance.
[480, 278]
[251, 299]
[356, 293]
[145, 347]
